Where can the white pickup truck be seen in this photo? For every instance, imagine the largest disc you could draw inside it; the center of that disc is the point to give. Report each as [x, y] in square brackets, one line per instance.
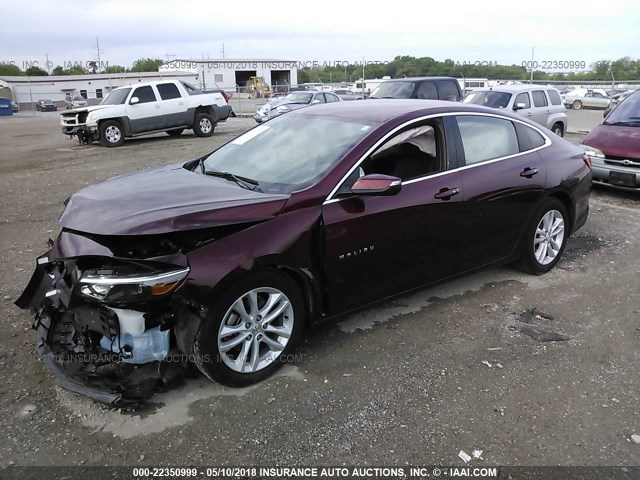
[165, 106]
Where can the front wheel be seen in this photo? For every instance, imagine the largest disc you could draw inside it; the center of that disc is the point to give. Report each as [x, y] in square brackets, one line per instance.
[203, 125]
[111, 133]
[251, 329]
[577, 105]
[545, 238]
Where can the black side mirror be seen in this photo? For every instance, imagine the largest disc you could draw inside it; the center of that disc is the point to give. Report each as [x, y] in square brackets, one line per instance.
[376, 184]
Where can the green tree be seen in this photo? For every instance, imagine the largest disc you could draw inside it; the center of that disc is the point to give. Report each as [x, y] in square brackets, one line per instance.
[36, 72]
[58, 70]
[7, 69]
[146, 65]
[115, 69]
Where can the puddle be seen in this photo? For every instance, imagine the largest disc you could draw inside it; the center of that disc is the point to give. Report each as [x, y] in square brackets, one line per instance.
[167, 410]
[415, 302]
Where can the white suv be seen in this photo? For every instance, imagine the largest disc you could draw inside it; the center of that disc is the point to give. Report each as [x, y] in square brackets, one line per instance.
[540, 104]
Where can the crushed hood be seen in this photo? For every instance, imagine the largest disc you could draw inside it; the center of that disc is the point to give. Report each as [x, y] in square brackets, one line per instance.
[163, 200]
[75, 111]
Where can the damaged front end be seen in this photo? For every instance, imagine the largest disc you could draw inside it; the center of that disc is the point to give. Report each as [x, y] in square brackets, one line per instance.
[74, 123]
[107, 322]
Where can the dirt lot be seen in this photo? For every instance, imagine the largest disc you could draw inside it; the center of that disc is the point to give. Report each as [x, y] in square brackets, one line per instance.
[414, 381]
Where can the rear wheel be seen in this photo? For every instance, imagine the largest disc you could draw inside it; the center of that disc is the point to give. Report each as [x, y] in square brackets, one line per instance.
[111, 133]
[251, 330]
[203, 125]
[558, 129]
[545, 238]
[175, 132]
[577, 104]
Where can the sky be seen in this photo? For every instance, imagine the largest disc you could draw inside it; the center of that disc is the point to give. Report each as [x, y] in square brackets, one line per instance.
[327, 31]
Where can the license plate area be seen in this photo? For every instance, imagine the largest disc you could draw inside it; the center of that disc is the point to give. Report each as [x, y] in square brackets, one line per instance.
[622, 179]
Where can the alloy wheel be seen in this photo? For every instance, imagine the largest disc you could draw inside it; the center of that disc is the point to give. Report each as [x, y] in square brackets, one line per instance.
[255, 330]
[113, 134]
[549, 237]
[205, 125]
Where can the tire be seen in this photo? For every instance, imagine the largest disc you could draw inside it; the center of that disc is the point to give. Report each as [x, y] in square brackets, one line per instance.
[176, 132]
[236, 366]
[203, 125]
[558, 129]
[111, 133]
[533, 259]
[577, 105]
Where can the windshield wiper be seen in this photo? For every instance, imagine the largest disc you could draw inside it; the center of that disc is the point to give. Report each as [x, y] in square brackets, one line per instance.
[244, 182]
[624, 123]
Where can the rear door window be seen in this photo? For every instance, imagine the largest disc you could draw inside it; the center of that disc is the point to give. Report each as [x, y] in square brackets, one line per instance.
[554, 96]
[487, 138]
[539, 98]
[427, 90]
[168, 91]
[448, 90]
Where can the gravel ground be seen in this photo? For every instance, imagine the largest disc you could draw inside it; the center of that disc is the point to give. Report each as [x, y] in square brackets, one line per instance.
[414, 380]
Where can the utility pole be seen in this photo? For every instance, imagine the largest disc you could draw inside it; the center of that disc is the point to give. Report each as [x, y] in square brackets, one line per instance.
[532, 51]
[47, 63]
[222, 51]
[99, 51]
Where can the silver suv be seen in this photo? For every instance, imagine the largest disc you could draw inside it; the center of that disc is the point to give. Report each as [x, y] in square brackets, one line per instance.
[542, 105]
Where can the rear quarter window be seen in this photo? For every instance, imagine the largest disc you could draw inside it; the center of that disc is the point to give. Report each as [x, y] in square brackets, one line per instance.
[528, 138]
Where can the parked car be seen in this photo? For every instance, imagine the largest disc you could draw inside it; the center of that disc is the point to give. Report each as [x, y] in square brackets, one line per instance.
[15, 107]
[430, 88]
[46, 106]
[543, 105]
[75, 101]
[223, 260]
[294, 101]
[586, 98]
[615, 100]
[614, 146]
[169, 106]
[346, 94]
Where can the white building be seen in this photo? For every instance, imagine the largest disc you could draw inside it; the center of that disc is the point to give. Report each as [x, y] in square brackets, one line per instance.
[93, 87]
[233, 74]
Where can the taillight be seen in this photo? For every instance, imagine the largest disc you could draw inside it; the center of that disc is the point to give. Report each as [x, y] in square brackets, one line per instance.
[587, 160]
[225, 95]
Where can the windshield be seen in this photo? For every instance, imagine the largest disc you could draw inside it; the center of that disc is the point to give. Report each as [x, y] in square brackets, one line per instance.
[490, 98]
[626, 113]
[298, 97]
[78, 98]
[117, 97]
[291, 152]
[393, 90]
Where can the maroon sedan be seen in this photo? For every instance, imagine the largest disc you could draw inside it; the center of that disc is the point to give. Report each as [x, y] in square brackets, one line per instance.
[614, 146]
[223, 261]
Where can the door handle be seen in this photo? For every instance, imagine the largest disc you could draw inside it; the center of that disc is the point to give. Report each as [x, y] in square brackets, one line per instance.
[529, 114]
[529, 172]
[446, 193]
[157, 106]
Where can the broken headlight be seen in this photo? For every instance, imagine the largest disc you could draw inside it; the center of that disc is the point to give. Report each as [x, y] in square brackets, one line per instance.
[122, 285]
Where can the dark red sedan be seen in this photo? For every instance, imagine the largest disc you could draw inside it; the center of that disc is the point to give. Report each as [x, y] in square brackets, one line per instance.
[222, 261]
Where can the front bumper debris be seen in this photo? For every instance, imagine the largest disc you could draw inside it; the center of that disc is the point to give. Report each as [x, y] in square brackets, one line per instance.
[83, 342]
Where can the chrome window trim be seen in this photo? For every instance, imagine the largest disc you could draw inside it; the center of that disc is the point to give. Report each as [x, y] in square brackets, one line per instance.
[547, 142]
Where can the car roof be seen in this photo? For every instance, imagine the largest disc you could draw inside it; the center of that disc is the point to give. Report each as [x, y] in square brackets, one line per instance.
[414, 79]
[382, 110]
[514, 88]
